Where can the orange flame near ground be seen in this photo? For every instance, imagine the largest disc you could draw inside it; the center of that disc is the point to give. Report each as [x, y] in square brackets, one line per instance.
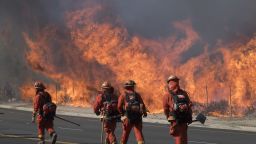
[105, 51]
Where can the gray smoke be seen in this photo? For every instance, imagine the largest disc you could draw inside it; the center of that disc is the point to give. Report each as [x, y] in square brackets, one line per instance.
[214, 20]
[218, 19]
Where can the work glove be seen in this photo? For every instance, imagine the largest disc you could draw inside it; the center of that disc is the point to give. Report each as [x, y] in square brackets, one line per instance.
[171, 119]
[97, 113]
[123, 118]
[33, 118]
[102, 118]
[118, 119]
[145, 114]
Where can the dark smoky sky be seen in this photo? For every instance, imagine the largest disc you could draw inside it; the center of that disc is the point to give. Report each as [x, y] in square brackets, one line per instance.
[214, 20]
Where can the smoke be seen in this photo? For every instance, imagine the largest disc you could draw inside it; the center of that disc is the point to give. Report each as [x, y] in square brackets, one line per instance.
[215, 21]
[13, 67]
[212, 19]
[17, 17]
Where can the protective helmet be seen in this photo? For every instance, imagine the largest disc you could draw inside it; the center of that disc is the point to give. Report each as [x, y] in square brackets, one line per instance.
[39, 85]
[172, 78]
[129, 83]
[106, 85]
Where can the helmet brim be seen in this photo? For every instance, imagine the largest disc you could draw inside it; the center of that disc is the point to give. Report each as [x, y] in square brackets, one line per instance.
[105, 87]
[176, 80]
[40, 88]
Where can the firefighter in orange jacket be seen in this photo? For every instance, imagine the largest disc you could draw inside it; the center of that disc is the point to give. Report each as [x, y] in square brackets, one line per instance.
[132, 107]
[41, 99]
[177, 109]
[106, 105]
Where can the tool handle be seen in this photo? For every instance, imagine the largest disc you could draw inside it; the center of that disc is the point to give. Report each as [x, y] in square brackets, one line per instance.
[67, 120]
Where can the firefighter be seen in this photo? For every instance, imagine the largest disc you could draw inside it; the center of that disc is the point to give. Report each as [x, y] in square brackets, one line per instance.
[44, 111]
[132, 108]
[106, 106]
[177, 109]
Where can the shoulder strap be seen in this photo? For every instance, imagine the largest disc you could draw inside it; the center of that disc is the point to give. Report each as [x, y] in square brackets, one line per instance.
[127, 96]
[47, 97]
[174, 96]
[107, 97]
[136, 96]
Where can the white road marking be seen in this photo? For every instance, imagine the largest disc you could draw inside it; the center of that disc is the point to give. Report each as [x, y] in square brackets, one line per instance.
[34, 139]
[206, 130]
[70, 129]
[198, 142]
[95, 119]
[29, 123]
[152, 125]
[218, 130]
[201, 142]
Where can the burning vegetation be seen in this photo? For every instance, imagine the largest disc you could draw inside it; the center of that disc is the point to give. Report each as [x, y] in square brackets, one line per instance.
[96, 47]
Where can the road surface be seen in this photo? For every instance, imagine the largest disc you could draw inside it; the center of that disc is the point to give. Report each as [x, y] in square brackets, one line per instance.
[16, 128]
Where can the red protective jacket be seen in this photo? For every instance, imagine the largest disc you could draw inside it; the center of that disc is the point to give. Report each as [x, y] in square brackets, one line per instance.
[168, 102]
[99, 103]
[122, 103]
[40, 99]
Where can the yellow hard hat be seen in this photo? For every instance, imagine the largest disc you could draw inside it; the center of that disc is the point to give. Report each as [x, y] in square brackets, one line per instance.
[106, 85]
[172, 78]
[39, 85]
[129, 83]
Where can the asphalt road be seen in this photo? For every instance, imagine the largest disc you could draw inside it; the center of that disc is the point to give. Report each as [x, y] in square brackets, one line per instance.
[16, 128]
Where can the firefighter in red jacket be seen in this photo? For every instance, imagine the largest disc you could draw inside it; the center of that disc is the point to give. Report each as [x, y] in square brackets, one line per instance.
[132, 107]
[44, 121]
[106, 105]
[177, 109]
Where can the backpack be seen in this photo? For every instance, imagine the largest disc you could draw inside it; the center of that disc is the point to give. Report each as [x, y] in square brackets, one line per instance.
[133, 109]
[110, 105]
[49, 111]
[45, 97]
[182, 110]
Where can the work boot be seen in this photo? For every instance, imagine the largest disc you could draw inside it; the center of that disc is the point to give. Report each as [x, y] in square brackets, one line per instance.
[54, 137]
[140, 142]
[41, 139]
[107, 141]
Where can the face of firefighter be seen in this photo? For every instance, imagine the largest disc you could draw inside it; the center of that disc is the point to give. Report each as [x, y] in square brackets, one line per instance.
[173, 85]
[129, 88]
[38, 90]
[106, 90]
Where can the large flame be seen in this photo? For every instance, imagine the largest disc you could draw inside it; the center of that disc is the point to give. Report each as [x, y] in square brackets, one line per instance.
[94, 50]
